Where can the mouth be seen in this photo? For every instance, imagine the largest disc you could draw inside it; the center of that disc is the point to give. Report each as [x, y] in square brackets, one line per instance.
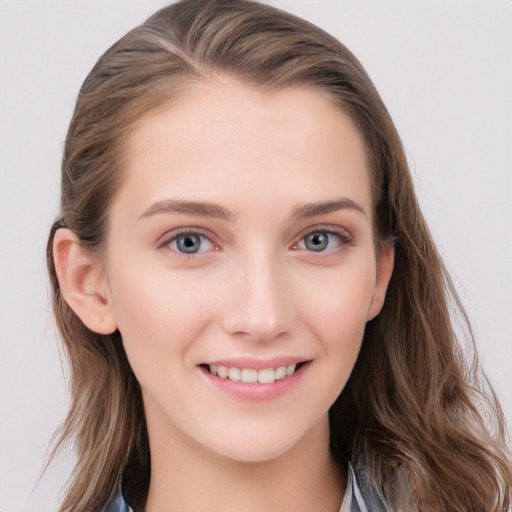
[253, 375]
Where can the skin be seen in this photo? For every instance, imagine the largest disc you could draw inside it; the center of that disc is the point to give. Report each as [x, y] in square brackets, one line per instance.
[254, 290]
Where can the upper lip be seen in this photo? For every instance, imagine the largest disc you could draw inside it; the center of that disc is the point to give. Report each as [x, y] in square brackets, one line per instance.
[258, 364]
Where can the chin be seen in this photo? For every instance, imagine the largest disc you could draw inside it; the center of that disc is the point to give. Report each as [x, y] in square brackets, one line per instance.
[253, 452]
[264, 443]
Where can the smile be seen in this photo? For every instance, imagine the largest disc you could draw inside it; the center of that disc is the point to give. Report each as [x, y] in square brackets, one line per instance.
[256, 380]
[251, 375]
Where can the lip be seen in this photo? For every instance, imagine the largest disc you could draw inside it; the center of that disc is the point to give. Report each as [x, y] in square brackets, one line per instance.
[256, 392]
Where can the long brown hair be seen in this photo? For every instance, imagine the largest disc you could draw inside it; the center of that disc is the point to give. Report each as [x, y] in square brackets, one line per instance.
[416, 398]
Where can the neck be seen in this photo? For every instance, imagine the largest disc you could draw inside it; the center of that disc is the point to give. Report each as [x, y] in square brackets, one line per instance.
[186, 477]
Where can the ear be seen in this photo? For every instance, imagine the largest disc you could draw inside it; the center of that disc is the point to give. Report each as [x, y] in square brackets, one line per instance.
[385, 262]
[82, 282]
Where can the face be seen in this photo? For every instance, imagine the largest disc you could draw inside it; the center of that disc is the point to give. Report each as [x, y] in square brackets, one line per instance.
[241, 266]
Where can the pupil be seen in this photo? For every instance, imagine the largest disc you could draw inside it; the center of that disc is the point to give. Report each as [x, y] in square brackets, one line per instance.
[317, 241]
[188, 243]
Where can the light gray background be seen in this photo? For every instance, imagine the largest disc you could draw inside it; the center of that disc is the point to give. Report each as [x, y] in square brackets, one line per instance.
[444, 70]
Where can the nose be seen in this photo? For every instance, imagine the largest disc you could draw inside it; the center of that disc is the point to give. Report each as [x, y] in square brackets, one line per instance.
[260, 302]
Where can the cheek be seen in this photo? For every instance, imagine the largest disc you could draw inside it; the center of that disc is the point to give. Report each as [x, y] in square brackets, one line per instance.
[159, 315]
[335, 311]
[340, 301]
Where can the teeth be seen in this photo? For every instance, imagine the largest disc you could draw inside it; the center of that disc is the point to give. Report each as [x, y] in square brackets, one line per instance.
[222, 372]
[250, 375]
[266, 376]
[234, 374]
[280, 373]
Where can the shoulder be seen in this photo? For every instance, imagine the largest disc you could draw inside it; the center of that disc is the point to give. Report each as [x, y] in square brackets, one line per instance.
[118, 504]
[362, 496]
[358, 496]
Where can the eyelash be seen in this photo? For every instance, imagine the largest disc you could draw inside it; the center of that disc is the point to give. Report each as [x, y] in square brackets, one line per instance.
[173, 237]
[342, 235]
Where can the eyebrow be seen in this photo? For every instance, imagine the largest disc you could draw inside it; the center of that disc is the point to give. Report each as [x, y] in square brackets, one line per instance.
[312, 209]
[207, 209]
[203, 209]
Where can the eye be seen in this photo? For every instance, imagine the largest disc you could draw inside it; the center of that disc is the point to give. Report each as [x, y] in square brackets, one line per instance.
[322, 241]
[316, 241]
[190, 242]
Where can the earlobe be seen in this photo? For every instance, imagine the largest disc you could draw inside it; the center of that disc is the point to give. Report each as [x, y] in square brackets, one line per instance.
[385, 262]
[82, 282]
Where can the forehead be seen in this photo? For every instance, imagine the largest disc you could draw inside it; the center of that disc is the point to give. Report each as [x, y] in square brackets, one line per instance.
[220, 139]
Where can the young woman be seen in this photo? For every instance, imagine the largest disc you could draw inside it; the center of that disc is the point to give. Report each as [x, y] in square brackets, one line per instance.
[254, 311]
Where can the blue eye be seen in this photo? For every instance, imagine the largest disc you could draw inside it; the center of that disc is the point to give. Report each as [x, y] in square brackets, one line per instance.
[316, 241]
[320, 241]
[190, 243]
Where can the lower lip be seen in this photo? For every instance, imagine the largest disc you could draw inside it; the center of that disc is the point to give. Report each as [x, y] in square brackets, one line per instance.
[256, 392]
